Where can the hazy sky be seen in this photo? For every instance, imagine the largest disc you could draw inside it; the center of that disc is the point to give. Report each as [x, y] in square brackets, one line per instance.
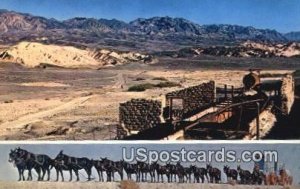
[282, 15]
[288, 154]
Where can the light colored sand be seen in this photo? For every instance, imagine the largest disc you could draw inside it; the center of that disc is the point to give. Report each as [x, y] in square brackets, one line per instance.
[221, 77]
[34, 117]
[19, 108]
[44, 84]
[115, 185]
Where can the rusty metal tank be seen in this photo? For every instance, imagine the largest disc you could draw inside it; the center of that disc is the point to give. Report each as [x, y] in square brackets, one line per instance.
[251, 80]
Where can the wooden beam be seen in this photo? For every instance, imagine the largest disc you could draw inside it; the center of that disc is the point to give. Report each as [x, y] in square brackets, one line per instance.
[171, 109]
[257, 121]
[240, 118]
[238, 104]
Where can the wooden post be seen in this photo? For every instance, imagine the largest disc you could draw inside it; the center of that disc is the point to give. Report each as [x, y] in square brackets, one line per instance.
[171, 109]
[225, 88]
[240, 118]
[257, 121]
[232, 92]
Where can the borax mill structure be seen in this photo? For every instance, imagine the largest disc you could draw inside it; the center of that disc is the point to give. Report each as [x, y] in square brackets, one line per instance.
[209, 112]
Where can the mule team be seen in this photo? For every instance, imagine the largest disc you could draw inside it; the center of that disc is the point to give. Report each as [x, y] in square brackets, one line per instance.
[42, 164]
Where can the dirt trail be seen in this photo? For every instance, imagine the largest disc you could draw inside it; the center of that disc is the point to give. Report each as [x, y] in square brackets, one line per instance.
[34, 117]
[120, 81]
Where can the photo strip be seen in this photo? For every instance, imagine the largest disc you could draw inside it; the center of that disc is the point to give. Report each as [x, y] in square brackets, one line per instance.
[148, 94]
[150, 164]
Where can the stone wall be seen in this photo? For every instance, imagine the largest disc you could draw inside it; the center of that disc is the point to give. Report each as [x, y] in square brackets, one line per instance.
[139, 114]
[194, 98]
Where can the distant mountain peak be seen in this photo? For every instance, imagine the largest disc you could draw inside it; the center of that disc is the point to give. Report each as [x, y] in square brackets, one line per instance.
[158, 29]
[3, 10]
[162, 19]
[293, 36]
[166, 25]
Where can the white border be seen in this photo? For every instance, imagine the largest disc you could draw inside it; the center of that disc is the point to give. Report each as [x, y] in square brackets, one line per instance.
[161, 142]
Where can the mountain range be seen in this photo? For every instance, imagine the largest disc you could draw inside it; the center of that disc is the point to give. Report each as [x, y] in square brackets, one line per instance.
[157, 33]
[293, 36]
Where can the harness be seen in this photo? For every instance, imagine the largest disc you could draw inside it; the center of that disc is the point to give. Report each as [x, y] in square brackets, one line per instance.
[22, 154]
[36, 159]
[74, 162]
[61, 163]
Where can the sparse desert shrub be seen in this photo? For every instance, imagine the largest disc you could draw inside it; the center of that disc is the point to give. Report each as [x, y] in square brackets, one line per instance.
[8, 101]
[139, 79]
[128, 184]
[145, 86]
[167, 84]
[141, 87]
[160, 78]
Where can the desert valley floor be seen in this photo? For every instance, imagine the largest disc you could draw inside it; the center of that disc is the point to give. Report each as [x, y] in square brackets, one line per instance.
[58, 103]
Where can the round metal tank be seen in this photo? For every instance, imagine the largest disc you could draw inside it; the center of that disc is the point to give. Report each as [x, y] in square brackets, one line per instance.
[251, 80]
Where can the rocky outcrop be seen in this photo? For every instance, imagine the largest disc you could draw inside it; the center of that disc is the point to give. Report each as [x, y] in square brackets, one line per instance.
[267, 121]
[246, 49]
[287, 92]
[280, 50]
[111, 57]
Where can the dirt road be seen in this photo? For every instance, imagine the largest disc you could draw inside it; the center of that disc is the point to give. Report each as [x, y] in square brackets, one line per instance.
[20, 122]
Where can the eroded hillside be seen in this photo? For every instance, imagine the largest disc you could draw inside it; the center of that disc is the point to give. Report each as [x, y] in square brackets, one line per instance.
[32, 54]
[246, 49]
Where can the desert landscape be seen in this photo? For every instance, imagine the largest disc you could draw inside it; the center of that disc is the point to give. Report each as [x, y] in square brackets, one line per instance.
[62, 103]
[64, 80]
